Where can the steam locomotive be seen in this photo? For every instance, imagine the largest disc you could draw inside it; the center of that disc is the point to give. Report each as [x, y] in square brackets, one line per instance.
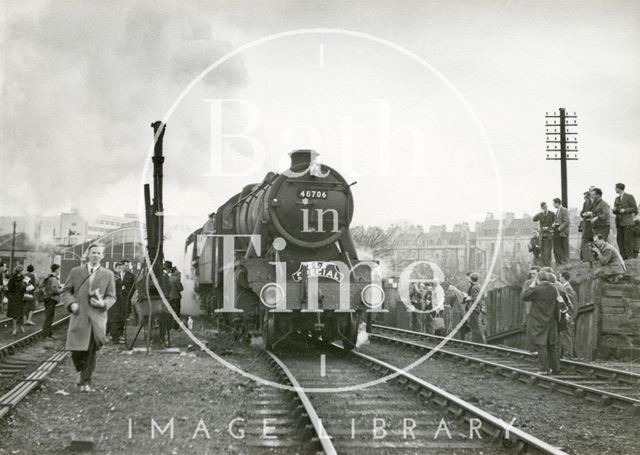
[278, 258]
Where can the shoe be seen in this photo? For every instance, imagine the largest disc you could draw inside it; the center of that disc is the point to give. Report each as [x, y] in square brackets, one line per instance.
[51, 337]
[29, 323]
[86, 388]
[13, 332]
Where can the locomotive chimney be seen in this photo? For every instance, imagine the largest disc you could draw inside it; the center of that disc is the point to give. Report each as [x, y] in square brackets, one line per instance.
[302, 158]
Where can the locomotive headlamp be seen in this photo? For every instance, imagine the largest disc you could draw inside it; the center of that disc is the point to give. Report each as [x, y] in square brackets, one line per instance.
[372, 295]
[271, 295]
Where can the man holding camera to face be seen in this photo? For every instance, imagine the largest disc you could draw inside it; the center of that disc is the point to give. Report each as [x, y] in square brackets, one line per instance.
[611, 263]
[88, 293]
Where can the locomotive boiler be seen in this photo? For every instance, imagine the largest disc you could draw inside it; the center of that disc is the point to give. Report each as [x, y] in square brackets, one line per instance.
[278, 258]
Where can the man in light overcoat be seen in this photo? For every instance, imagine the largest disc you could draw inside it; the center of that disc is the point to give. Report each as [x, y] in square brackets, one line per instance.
[561, 232]
[88, 293]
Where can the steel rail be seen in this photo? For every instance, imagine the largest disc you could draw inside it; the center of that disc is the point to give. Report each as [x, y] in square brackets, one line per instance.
[12, 398]
[325, 441]
[7, 320]
[588, 368]
[579, 390]
[9, 348]
[443, 398]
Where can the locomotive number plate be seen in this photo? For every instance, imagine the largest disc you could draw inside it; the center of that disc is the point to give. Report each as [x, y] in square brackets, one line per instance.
[312, 194]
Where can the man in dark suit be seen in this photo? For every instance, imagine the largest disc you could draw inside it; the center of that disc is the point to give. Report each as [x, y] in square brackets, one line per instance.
[546, 219]
[128, 282]
[600, 214]
[624, 208]
[117, 313]
[585, 228]
[561, 232]
[88, 293]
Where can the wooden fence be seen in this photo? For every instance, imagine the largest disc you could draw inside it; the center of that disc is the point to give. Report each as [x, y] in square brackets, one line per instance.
[506, 318]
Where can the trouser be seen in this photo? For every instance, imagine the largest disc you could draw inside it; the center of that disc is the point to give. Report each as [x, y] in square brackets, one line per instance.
[560, 248]
[49, 312]
[115, 329]
[585, 249]
[85, 361]
[546, 245]
[625, 241]
[417, 323]
[175, 305]
[446, 315]
[477, 331]
[548, 357]
[602, 230]
[567, 342]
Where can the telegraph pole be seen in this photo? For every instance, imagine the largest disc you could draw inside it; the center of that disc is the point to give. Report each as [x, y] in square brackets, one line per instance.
[13, 248]
[557, 130]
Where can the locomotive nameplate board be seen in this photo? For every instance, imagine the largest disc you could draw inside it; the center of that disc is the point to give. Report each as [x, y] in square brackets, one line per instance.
[318, 269]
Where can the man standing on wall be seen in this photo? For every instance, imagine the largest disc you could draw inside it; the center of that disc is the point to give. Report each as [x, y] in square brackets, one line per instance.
[561, 232]
[546, 219]
[624, 208]
[88, 293]
[600, 215]
[585, 228]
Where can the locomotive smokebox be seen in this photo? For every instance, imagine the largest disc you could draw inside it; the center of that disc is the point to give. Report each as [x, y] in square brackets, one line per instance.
[302, 158]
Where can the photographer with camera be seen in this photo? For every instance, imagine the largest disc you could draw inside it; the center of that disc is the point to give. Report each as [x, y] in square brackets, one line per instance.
[542, 321]
[612, 264]
[546, 219]
[534, 247]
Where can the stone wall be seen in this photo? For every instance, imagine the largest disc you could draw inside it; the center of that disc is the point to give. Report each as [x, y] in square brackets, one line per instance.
[608, 314]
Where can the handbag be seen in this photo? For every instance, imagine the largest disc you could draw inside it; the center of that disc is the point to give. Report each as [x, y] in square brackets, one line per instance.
[437, 323]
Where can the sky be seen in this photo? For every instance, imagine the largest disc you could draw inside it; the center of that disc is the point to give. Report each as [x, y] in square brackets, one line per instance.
[435, 108]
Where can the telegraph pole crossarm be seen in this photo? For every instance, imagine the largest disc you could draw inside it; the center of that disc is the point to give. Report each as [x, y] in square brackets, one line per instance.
[557, 132]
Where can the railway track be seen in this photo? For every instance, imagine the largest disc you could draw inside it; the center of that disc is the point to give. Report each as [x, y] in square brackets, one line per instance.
[15, 361]
[35, 313]
[607, 386]
[402, 415]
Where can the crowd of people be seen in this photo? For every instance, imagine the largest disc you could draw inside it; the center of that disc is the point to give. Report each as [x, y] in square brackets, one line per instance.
[99, 300]
[21, 292]
[438, 309]
[595, 225]
[550, 306]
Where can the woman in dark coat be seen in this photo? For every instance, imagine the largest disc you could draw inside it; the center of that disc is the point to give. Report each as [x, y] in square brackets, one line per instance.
[15, 293]
[542, 321]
